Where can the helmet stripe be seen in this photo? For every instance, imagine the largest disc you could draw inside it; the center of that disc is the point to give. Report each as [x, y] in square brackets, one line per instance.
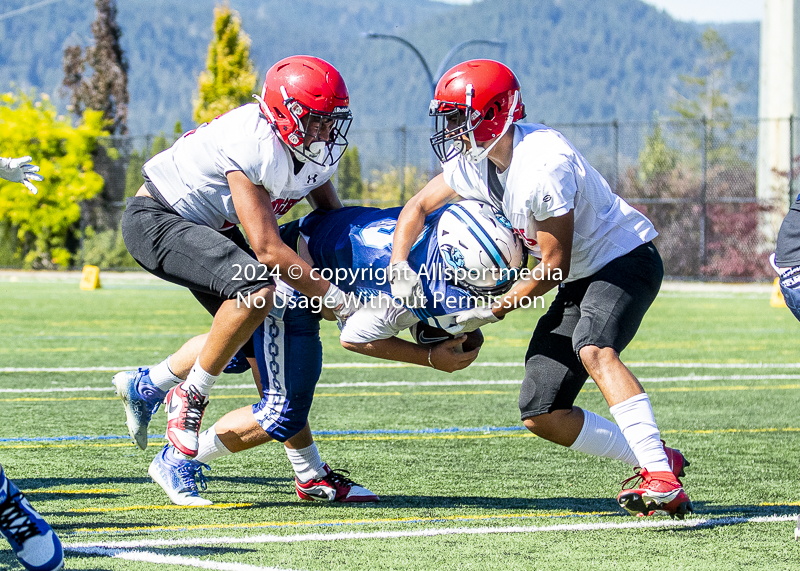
[480, 234]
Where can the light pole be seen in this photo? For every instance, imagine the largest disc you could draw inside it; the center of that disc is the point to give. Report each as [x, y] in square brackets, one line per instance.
[433, 80]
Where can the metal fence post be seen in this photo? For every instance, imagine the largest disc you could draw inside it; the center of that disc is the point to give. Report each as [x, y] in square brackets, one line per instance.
[616, 155]
[791, 160]
[403, 139]
[703, 189]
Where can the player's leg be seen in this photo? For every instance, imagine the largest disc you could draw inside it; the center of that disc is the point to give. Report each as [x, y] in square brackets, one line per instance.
[143, 390]
[289, 360]
[612, 308]
[32, 539]
[553, 379]
[203, 260]
[289, 355]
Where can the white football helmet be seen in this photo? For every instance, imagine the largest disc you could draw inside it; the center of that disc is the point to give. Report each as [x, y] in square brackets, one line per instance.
[481, 251]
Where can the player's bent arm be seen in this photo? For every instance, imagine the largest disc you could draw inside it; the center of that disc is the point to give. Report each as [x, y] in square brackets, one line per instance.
[254, 208]
[554, 236]
[411, 221]
[442, 356]
[324, 197]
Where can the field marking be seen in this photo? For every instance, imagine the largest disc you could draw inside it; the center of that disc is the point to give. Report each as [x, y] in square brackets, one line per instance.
[365, 384]
[157, 508]
[158, 558]
[355, 365]
[349, 535]
[89, 491]
[346, 522]
[361, 435]
[468, 393]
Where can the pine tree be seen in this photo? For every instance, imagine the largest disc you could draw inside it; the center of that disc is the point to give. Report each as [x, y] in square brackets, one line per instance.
[105, 87]
[351, 187]
[229, 79]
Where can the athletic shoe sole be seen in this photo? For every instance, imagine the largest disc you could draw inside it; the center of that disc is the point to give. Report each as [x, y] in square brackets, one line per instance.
[635, 504]
[136, 430]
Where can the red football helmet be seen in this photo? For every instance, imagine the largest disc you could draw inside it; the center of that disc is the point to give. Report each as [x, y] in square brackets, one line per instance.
[479, 98]
[303, 98]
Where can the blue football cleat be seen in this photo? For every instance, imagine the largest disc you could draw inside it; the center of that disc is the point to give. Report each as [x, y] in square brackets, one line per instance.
[141, 399]
[34, 542]
[178, 476]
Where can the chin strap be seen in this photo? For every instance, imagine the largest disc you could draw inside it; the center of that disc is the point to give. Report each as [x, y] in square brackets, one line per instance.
[475, 156]
[264, 108]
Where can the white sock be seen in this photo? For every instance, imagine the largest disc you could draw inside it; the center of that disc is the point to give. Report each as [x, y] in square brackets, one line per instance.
[635, 418]
[306, 462]
[200, 379]
[162, 376]
[601, 437]
[210, 447]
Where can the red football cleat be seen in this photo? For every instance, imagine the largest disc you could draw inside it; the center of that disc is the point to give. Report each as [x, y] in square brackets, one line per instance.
[653, 492]
[335, 486]
[677, 461]
[185, 407]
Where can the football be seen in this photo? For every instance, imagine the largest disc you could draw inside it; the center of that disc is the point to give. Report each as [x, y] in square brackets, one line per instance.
[425, 334]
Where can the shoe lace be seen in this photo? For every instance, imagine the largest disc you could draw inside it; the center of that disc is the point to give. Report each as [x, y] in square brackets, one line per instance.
[195, 410]
[191, 474]
[340, 477]
[16, 520]
[636, 476]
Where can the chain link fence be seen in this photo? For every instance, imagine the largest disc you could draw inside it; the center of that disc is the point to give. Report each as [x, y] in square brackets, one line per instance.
[696, 180]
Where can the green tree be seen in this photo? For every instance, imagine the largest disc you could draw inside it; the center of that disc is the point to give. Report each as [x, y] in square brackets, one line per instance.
[708, 95]
[229, 79]
[657, 158]
[350, 184]
[45, 222]
[105, 86]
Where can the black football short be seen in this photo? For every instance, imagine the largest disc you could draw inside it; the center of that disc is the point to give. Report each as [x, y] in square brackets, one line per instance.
[604, 310]
[214, 265]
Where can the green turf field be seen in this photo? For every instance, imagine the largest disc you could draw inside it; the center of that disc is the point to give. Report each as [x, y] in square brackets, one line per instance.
[462, 487]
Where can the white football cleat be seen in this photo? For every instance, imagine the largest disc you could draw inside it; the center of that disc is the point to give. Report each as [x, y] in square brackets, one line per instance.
[185, 408]
[178, 476]
[334, 486]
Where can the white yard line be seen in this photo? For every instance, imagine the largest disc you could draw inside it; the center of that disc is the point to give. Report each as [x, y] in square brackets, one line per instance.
[160, 559]
[297, 538]
[378, 365]
[467, 382]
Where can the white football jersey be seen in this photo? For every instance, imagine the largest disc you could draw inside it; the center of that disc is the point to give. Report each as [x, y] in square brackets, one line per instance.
[548, 177]
[191, 174]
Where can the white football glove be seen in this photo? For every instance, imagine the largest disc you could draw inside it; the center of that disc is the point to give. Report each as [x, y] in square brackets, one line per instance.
[20, 170]
[406, 285]
[472, 319]
[343, 305]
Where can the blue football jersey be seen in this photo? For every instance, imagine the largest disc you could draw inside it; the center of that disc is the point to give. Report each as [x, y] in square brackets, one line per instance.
[359, 239]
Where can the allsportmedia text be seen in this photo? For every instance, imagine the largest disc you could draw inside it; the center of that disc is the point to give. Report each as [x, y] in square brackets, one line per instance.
[381, 276]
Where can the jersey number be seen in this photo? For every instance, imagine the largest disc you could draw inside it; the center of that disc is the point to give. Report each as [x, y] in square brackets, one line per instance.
[378, 235]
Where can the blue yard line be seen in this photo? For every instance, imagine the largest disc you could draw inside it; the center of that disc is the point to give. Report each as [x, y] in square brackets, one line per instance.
[316, 432]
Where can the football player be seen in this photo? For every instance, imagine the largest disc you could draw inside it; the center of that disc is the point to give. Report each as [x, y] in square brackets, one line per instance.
[248, 167]
[33, 541]
[595, 247]
[786, 259]
[288, 347]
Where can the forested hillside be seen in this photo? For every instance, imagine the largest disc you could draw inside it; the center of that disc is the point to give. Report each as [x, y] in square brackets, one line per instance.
[577, 59]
